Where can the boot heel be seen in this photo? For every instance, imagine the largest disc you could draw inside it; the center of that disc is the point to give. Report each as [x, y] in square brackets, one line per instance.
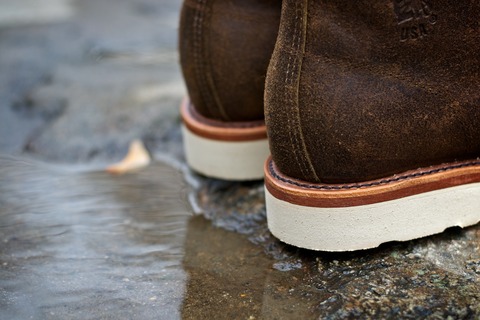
[224, 150]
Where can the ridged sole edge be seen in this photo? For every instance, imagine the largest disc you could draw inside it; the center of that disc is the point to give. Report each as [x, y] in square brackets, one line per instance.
[238, 160]
[358, 227]
[224, 150]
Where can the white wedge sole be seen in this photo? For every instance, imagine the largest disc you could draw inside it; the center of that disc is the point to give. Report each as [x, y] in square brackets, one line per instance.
[239, 160]
[335, 220]
[223, 152]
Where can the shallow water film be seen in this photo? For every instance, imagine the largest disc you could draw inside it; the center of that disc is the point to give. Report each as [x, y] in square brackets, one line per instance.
[89, 244]
[80, 80]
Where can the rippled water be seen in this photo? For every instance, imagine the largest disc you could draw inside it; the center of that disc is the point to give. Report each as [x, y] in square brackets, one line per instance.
[83, 244]
[89, 244]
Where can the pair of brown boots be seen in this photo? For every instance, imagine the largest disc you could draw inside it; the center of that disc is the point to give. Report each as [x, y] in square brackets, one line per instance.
[371, 109]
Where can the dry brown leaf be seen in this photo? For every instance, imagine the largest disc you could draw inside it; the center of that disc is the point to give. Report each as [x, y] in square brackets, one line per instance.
[136, 158]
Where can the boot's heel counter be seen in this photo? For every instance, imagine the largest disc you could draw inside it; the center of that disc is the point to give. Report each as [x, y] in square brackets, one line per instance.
[282, 113]
[194, 38]
[350, 99]
[225, 47]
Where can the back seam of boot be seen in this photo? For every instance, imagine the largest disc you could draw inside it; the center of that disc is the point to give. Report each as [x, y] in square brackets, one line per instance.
[293, 76]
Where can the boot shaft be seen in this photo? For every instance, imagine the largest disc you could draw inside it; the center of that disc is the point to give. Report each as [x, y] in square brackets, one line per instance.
[357, 90]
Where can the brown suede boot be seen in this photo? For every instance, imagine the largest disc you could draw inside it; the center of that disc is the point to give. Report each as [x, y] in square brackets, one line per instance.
[373, 117]
[225, 47]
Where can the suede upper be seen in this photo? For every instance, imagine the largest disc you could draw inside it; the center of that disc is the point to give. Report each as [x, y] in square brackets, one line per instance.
[358, 90]
[225, 48]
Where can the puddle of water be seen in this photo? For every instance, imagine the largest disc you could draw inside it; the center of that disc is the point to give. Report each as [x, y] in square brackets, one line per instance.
[82, 244]
[91, 245]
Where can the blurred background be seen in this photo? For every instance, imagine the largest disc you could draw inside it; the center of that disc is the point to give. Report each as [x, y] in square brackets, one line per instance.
[80, 79]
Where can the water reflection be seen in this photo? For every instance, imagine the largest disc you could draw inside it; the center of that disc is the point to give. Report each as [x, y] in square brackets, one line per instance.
[85, 244]
[231, 278]
[90, 245]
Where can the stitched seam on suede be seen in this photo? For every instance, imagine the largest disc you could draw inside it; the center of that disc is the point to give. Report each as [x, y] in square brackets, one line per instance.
[308, 162]
[291, 121]
[371, 184]
[211, 83]
[198, 20]
[202, 57]
[285, 96]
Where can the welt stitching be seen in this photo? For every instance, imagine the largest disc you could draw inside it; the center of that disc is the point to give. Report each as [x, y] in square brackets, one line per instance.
[371, 184]
[235, 124]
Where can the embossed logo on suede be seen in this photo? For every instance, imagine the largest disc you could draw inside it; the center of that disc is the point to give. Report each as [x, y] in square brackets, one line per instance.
[415, 18]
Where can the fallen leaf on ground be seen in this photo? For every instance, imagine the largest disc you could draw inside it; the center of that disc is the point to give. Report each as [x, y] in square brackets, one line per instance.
[136, 158]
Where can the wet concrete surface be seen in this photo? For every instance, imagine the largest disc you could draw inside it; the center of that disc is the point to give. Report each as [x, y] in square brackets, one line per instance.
[89, 245]
[80, 80]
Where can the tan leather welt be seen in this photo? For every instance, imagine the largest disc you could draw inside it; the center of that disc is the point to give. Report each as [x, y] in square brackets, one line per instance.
[234, 132]
[395, 187]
